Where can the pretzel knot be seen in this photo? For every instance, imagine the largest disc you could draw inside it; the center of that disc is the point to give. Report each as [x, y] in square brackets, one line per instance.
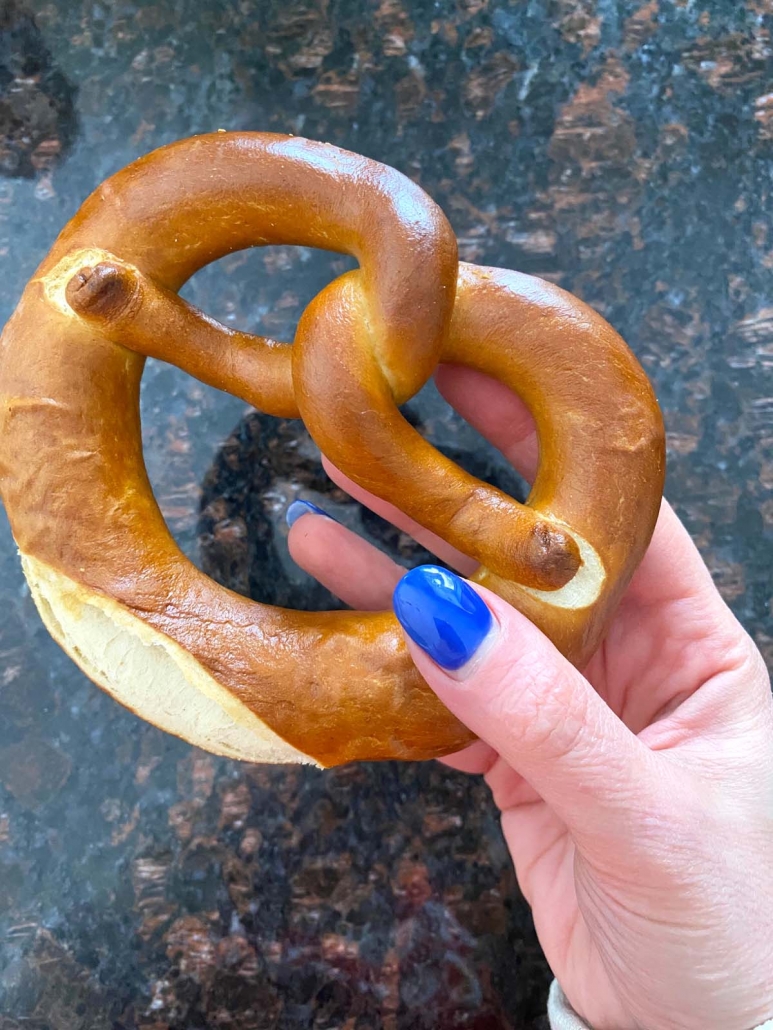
[249, 680]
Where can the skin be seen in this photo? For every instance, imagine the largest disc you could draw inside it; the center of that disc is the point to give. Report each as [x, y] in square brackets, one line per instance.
[636, 799]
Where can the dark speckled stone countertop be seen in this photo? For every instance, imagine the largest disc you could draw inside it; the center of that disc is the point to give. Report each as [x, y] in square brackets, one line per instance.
[621, 148]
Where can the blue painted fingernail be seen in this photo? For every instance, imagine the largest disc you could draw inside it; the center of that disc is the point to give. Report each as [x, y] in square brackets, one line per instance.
[298, 508]
[442, 614]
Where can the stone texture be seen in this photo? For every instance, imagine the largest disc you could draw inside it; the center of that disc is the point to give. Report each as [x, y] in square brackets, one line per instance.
[620, 149]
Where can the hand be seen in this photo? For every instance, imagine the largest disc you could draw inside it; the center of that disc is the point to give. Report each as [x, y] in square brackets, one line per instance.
[636, 800]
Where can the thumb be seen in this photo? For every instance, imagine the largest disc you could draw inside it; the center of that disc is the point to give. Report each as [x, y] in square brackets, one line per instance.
[506, 681]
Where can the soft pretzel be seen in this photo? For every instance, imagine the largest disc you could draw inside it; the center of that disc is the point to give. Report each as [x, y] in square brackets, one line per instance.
[227, 674]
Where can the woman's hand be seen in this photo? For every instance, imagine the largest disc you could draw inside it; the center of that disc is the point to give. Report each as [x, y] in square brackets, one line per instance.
[637, 799]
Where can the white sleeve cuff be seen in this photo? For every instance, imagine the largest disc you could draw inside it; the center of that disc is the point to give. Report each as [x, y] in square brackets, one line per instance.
[560, 1014]
[562, 1017]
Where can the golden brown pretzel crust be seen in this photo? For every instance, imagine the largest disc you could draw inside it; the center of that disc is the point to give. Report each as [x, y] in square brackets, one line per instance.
[248, 679]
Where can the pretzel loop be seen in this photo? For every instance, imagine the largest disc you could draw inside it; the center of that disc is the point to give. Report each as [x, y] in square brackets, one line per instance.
[245, 679]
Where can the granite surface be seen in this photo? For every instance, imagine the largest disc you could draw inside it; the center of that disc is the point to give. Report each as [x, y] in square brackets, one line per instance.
[620, 148]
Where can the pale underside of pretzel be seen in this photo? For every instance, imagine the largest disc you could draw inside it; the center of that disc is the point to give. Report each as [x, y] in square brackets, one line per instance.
[249, 680]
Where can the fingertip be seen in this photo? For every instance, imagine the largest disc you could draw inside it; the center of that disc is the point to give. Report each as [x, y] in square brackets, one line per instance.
[300, 507]
[443, 615]
[343, 562]
[312, 534]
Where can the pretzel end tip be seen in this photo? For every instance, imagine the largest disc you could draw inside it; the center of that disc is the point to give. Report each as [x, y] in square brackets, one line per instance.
[101, 291]
[555, 554]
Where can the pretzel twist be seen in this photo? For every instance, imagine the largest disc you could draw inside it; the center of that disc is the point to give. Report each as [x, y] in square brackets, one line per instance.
[249, 680]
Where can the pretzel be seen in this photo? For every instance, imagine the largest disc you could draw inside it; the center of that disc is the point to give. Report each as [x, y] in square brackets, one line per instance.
[248, 680]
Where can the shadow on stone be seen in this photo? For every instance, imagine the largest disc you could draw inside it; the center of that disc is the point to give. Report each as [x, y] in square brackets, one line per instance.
[265, 464]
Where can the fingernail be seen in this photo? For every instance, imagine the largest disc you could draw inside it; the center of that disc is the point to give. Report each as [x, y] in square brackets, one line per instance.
[298, 508]
[442, 614]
